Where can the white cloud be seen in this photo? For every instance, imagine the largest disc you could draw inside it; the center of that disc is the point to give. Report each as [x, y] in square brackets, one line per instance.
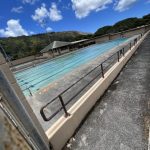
[49, 29]
[123, 5]
[13, 29]
[83, 8]
[68, 6]
[42, 14]
[29, 1]
[17, 9]
[55, 14]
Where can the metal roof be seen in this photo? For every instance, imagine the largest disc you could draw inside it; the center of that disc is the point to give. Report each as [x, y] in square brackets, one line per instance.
[57, 44]
[53, 45]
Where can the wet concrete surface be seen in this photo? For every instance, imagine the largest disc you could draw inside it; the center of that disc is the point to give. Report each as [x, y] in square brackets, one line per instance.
[120, 118]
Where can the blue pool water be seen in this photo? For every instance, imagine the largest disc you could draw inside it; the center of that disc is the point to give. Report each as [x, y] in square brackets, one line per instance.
[43, 74]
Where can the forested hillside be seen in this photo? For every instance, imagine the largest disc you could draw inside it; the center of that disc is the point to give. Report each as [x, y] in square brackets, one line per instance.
[18, 47]
[124, 25]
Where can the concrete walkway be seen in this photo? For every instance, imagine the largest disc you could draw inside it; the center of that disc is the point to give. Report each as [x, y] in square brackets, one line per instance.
[46, 94]
[120, 119]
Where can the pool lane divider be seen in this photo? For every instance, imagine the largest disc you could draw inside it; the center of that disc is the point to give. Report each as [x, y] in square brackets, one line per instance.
[63, 129]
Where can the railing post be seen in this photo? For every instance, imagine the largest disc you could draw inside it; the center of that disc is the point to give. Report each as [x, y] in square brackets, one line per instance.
[123, 51]
[135, 41]
[102, 70]
[64, 107]
[118, 55]
[130, 46]
[30, 91]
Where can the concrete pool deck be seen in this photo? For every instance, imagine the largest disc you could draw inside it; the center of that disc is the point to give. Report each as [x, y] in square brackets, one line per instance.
[52, 90]
[121, 117]
[56, 136]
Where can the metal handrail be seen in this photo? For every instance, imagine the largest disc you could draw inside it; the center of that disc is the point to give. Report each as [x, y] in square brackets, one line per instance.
[118, 52]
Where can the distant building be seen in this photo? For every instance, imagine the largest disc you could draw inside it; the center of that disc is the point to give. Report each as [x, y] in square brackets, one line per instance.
[60, 47]
[55, 45]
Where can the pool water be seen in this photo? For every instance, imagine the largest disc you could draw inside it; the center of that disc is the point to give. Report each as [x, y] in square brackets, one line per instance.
[41, 75]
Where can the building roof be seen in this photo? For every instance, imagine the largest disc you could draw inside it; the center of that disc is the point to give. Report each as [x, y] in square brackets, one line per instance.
[58, 44]
[55, 44]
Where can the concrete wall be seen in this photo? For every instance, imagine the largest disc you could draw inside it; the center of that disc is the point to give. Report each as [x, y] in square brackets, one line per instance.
[136, 31]
[27, 59]
[102, 39]
[10, 138]
[147, 28]
[128, 33]
[64, 128]
[23, 60]
[115, 36]
[5, 68]
[48, 54]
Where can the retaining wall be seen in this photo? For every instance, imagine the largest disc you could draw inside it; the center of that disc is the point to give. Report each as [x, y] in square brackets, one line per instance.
[64, 128]
[127, 33]
[23, 60]
[4, 67]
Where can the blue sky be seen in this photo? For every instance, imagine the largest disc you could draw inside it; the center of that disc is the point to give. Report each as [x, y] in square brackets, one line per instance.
[26, 17]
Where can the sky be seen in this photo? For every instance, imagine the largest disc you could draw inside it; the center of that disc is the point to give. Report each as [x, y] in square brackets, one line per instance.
[28, 17]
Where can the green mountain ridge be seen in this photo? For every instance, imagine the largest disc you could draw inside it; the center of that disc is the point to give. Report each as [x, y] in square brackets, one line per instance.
[123, 25]
[22, 46]
[19, 47]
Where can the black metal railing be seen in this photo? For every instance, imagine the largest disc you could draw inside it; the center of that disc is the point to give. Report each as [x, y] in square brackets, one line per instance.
[103, 67]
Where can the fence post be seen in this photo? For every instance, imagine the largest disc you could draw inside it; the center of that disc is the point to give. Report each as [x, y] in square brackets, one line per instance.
[102, 70]
[123, 51]
[64, 107]
[118, 55]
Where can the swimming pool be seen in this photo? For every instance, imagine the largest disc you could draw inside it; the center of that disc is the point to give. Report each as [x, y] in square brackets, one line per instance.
[40, 76]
